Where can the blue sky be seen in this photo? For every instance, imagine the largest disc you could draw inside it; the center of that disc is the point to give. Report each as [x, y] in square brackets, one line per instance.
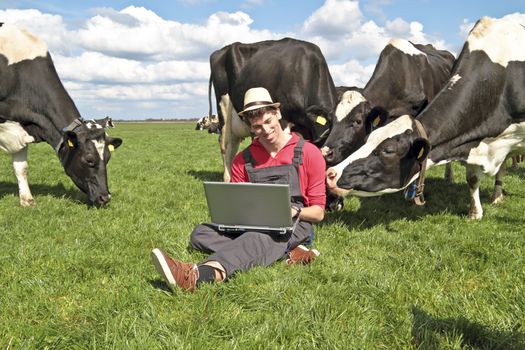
[149, 59]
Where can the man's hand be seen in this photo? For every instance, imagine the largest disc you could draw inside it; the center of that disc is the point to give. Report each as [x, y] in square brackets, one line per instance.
[295, 211]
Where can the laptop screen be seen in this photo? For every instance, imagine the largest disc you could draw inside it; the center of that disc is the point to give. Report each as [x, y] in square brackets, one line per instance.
[249, 204]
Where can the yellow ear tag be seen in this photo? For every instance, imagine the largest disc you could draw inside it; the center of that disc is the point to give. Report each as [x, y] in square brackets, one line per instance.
[376, 121]
[70, 144]
[111, 148]
[320, 120]
[421, 153]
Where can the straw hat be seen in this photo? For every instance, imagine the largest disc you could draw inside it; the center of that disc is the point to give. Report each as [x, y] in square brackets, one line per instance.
[258, 97]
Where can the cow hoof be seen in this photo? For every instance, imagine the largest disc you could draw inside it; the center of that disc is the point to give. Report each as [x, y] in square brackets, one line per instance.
[27, 202]
[475, 216]
[497, 199]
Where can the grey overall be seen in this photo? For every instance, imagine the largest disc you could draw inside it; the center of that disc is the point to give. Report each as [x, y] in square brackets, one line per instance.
[240, 252]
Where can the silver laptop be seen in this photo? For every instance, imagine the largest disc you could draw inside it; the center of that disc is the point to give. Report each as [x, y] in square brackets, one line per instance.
[238, 207]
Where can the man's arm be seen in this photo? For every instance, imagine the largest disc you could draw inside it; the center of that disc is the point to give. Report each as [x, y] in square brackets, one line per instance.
[315, 165]
[313, 213]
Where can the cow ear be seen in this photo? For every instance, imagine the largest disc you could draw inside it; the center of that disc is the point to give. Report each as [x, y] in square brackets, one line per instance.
[420, 149]
[71, 139]
[375, 119]
[113, 142]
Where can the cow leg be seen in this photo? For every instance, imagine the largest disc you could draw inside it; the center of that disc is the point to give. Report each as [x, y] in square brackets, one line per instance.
[229, 143]
[474, 175]
[497, 195]
[225, 137]
[239, 131]
[449, 175]
[230, 150]
[20, 167]
[233, 132]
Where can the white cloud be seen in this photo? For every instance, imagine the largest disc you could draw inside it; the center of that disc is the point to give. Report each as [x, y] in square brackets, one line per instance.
[351, 73]
[398, 26]
[339, 29]
[96, 67]
[335, 17]
[138, 33]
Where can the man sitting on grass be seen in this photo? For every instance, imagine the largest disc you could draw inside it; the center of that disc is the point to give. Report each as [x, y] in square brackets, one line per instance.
[274, 156]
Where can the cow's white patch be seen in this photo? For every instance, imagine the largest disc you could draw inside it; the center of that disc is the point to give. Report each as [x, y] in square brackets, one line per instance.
[99, 145]
[91, 124]
[452, 81]
[377, 136]
[373, 194]
[492, 152]
[430, 162]
[406, 46]
[18, 45]
[20, 166]
[13, 137]
[503, 40]
[239, 127]
[349, 101]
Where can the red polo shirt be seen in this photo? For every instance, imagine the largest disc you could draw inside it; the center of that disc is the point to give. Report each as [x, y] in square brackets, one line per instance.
[311, 171]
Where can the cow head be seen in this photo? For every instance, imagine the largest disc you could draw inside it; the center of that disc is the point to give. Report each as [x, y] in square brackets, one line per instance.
[390, 167]
[355, 120]
[84, 153]
[203, 123]
[318, 121]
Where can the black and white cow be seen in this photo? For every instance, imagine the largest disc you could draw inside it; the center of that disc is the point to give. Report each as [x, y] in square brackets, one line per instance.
[206, 122]
[294, 72]
[406, 77]
[477, 118]
[35, 107]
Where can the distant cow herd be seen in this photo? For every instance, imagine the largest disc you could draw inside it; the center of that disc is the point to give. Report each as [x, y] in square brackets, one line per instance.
[421, 107]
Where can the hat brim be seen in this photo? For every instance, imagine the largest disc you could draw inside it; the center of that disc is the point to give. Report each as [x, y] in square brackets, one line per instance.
[251, 108]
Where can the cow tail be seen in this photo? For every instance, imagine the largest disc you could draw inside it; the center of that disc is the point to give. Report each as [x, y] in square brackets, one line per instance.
[209, 98]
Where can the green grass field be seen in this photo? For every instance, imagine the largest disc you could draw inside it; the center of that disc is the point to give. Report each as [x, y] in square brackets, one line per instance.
[390, 275]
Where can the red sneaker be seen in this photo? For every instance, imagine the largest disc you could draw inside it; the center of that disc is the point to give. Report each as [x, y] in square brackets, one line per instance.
[176, 273]
[301, 255]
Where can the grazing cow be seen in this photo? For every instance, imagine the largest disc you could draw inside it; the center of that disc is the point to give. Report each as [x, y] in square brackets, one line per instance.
[203, 123]
[405, 78]
[206, 122]
[296, 74]
[477, 118]
[35, 107]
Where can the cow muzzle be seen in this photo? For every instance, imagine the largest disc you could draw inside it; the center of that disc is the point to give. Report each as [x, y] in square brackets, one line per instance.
[331, 183]
[100, 200]
[329, 155]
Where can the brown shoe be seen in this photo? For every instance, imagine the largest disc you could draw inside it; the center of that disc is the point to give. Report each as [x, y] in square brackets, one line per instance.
[176, 273]
[301, 255]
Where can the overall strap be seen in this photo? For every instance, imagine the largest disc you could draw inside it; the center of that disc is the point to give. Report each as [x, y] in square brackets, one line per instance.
[249, 162]
[298, 153]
